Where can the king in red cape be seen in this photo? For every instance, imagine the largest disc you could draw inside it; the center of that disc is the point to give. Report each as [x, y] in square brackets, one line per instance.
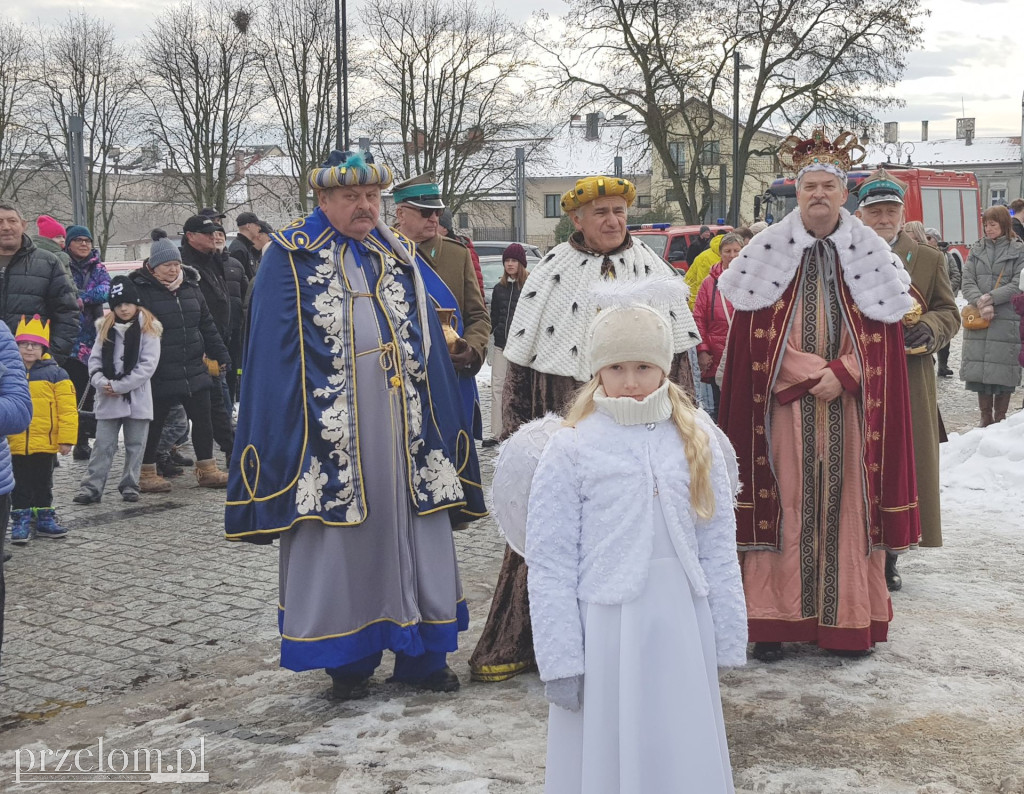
[815, 402]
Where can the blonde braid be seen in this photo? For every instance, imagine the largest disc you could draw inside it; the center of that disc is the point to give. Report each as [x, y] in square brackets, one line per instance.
[698, 451]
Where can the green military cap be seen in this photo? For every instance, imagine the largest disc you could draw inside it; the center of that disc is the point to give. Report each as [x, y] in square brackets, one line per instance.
[420, 191]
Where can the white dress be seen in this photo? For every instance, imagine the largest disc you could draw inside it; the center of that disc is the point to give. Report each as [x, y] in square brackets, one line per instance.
[651, 721]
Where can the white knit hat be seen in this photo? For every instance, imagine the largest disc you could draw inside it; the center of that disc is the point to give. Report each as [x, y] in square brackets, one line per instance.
[633, 323]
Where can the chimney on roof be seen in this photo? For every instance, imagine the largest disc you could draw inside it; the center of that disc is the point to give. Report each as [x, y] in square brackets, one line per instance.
[924, 130]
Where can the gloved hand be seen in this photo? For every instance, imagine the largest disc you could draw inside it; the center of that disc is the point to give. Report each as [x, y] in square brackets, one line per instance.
[466, 360]
[566, 693]
[919, 335]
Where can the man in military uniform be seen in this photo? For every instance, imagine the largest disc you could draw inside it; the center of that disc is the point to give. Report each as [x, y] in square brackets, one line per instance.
[881, 208]
[418, 208]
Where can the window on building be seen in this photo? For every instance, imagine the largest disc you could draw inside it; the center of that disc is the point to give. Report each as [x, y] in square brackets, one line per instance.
[710, 153]
[463, 220]
[643, 202]
[552, 205]
[716, 209]
[673, 195]
[677, 151]
[997, 196]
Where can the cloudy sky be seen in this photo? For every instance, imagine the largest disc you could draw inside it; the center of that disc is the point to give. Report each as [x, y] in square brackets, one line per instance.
[971, 60]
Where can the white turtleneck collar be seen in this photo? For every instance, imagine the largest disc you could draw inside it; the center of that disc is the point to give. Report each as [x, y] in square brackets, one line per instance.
[655, 407]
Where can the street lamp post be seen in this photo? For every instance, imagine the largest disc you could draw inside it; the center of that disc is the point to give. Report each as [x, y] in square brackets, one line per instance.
[341, 58]
[734, 199]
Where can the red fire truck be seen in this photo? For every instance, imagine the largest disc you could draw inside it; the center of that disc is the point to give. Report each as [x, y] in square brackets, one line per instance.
[947, 200]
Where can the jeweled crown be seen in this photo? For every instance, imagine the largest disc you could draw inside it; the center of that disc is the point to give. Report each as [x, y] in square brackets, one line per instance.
[843, 153]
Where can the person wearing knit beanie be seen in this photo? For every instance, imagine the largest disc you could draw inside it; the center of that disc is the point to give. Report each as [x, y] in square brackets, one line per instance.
[515, 251]
[122, 290]
[161, 252]
[51, 229]
[74, 232]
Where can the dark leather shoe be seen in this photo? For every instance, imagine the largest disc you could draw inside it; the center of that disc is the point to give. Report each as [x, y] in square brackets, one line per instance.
[489, 442]
[443, 680]
[892, 579]
[768, 652]
[945, 373]
[86, 499]
[178, 459]
[349, 687]
[165, 467]
[7, 555]
[81, 451]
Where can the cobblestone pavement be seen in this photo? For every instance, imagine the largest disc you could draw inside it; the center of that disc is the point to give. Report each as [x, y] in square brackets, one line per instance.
[142, 596]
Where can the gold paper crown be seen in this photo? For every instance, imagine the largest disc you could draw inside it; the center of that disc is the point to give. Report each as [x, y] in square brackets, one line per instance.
[842, 153]
[592, 187]
[34, 330]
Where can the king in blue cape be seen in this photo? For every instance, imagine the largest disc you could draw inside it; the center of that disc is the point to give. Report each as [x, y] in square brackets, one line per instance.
[353, 446]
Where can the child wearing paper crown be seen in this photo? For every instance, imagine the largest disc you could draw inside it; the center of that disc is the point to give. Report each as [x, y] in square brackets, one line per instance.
[54, 429]
[635, 589]
[121, 364]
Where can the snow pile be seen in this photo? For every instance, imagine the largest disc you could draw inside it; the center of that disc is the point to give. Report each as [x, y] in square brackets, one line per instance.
[983, 469]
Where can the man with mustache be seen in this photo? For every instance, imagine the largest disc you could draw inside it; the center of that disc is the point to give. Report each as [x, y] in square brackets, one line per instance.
[881, 208]
[352, 448]
[815, 401]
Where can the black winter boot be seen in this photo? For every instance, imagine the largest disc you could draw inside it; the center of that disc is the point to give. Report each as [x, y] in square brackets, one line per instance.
[892, 579]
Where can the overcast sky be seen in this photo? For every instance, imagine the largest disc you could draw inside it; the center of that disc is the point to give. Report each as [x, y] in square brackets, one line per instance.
[971, 61]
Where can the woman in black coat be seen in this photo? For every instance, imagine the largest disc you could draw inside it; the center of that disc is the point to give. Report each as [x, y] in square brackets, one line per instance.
[171, 291]
[504, 298]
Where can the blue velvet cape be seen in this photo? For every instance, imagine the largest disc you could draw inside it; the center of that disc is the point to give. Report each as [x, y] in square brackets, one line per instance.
[296, 453]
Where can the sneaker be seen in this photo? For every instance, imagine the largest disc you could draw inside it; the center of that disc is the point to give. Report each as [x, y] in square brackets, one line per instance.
[130, 496]
[86, 498]
[81, 451]
[46, 524]
[21, 526]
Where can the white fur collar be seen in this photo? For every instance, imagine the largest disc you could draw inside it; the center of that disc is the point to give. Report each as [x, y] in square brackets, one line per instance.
[878, 282]
[549, 329]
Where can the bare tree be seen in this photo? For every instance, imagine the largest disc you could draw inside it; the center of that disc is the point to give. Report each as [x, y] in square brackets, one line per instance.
[297, 57]
[17, 140]
[670, 63]
[85, 72]
[448, 92]
[202, 73]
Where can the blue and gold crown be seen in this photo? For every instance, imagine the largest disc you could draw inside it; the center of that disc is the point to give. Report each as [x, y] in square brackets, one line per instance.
[349, 168]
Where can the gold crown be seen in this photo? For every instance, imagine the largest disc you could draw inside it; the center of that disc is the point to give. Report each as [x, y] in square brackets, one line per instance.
[34, 330]
[592, 187]
[842, 153]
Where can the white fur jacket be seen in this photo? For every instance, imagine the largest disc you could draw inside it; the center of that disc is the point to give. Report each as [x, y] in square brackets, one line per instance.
[590, 532]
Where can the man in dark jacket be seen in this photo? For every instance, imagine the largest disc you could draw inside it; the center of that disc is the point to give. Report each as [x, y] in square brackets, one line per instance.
[32, 281]
[243, 247]
[699, 245]
[199, 250]
[238, 286]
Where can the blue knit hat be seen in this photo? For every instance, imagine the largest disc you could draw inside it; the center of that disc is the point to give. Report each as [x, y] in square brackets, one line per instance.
[77, 231]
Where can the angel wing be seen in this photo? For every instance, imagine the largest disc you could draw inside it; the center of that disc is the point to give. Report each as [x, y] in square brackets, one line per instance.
[513, 477]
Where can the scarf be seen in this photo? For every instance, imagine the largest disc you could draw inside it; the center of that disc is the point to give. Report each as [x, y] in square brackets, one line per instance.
[132, 332]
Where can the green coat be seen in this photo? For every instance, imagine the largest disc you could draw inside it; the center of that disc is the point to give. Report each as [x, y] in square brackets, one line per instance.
[990, 355]
[930, 278]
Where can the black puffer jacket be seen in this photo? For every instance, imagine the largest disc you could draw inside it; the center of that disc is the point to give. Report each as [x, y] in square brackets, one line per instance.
[504, 298]
[189, 334]
[238, 285]
[244, 251]
[35, 283]
[212, 283]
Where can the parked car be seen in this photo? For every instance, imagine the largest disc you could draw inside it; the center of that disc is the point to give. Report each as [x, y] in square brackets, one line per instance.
[669, 241]
[497, 248]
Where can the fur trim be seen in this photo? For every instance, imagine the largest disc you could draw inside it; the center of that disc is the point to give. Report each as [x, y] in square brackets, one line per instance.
[659, 293]
[549, 331]
[878, 282]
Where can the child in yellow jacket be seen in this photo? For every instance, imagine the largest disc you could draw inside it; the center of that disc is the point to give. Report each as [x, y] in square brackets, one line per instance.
[54, 429]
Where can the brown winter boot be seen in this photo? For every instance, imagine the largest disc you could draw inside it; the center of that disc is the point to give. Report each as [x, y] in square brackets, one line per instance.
[1000, 404]
[985, 404]
[209, 476]
[151, 482]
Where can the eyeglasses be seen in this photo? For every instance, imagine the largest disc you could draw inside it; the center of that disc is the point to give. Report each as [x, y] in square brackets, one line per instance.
[430, 213]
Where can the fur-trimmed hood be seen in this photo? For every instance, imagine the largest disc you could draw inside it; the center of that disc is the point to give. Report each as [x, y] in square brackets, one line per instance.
[878, 282]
